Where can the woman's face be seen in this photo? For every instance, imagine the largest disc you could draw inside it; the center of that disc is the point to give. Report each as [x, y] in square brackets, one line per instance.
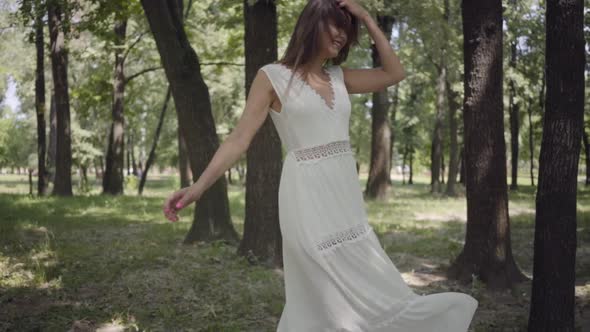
[332, 40]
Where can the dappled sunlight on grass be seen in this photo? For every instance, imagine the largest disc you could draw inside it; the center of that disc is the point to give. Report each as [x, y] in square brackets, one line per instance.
[98, 262]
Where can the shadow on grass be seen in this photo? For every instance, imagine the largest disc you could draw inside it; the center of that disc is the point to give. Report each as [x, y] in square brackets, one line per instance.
[95, 260]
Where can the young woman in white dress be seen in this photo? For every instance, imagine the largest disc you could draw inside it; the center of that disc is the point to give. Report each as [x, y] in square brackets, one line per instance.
[337, 275]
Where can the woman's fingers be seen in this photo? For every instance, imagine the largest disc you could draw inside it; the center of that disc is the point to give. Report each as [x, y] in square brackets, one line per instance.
[177, 201]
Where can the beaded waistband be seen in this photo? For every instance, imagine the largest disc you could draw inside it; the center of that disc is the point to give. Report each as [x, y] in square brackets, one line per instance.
[322, 151]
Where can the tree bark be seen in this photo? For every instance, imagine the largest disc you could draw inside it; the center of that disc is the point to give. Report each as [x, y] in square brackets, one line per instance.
[487, 252]
[554, 262]
[112, 182]
[262, 240]
[40, 101]
[378, 179]
[212, 219]
[59, 66]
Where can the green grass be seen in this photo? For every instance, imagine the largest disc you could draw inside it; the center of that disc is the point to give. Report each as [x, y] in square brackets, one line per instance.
[94, 261]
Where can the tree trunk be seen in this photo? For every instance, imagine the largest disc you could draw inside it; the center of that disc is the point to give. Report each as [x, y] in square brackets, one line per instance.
[52, 145]
[513, 110]
[392, 121]
[587, 155]
[40, 101]
[183, 163]
[128, 150]
[152, 154]
[531, 141]
[487, 252]
[442, 168]
[554, 262]
[262, 240]
[134, 169]
[453, 144]
[462, 165]
[378, 179]
[411, 177]
[212, 219]
[112, 182]
[59, 66]
[437, 134]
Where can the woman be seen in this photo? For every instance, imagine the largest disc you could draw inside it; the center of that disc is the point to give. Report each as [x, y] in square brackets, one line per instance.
[337, 275]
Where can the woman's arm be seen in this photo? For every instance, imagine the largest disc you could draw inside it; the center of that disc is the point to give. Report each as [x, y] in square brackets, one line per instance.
[391, 71]
[237, 142]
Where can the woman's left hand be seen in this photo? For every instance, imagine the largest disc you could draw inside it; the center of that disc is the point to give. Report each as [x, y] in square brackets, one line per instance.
[353, 7]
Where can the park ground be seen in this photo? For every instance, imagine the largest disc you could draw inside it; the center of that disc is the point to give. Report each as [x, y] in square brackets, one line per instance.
[104, 263]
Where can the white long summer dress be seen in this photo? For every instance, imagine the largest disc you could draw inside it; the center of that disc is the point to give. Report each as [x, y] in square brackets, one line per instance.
[337, 275]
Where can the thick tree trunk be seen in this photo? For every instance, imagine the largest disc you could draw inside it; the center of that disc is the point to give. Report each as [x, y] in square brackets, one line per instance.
[212, 219]
[152, 154]
[262, 238]
[42, 174]
[378, 180]
[112, 182]
[487, 252]
[59, 66]
[554, 262]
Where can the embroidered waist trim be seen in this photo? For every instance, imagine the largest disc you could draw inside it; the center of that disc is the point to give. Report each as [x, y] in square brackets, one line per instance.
[322, 151]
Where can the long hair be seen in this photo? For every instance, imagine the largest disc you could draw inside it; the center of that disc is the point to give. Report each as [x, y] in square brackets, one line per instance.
[305, 40]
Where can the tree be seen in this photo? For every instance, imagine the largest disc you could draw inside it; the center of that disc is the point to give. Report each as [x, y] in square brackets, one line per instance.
[193, 106]
[262, 234]
[378, 179]
[554, 275]
[59, 65]
[40, 98]
[112, 182]
[487, 252]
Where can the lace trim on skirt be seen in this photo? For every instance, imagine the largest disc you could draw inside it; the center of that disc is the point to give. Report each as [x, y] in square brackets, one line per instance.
[349, 235]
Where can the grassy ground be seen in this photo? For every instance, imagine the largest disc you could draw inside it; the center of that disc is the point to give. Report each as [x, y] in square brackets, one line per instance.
[115, 263]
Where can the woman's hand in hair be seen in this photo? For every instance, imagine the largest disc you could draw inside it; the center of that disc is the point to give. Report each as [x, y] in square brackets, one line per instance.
[353, 7]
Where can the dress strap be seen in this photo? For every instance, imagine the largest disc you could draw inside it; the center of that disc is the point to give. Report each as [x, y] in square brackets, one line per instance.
[277, 78]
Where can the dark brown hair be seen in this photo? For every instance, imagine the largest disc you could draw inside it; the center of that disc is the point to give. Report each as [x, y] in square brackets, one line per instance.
[304, 43]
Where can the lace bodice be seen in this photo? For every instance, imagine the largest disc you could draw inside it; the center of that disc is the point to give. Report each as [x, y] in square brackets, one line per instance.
[306, 119]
